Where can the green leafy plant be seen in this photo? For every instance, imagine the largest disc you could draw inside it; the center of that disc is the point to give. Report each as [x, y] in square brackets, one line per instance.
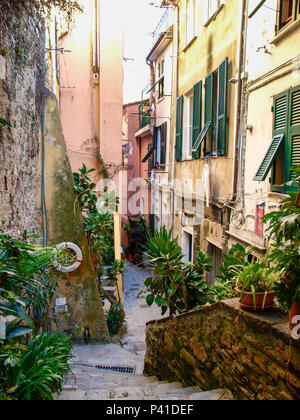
[175, 285]
[4, 123]
[32, 362]
[255, 278]
[137, 232]
[115, 318]
[37, 370]
[117, 268]
[284, 231]
[237, 256]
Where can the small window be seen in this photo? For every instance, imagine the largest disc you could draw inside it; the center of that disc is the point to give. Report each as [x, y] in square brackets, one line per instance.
[188, 124]
[161, 78]
[212, 7]
[187, 240]
[190, 20]
[288, 12]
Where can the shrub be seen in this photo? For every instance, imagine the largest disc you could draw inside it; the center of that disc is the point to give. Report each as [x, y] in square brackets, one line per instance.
[115, 318]
[175, 285]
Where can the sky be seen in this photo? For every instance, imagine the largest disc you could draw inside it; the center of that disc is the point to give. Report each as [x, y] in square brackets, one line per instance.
[140, 20]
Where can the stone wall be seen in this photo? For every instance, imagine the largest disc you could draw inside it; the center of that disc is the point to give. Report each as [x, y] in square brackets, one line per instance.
[223, 346]
[21, 81]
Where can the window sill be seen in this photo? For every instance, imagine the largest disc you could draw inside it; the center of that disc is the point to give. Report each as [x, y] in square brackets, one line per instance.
[189, 43]
[285, 31]
[213, 17]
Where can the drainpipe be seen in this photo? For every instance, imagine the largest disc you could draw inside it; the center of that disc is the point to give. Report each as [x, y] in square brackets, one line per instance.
[174, 134]
[236, 163]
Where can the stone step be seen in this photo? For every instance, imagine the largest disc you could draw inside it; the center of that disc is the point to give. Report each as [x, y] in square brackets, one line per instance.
[216, 394]
[165, 388]
[182, 394]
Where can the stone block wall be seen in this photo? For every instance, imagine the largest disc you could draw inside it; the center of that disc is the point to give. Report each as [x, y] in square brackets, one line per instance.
[21, 82]
[223, 346]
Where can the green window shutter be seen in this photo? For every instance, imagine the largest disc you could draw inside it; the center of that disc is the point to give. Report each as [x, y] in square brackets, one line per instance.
[179, 117]
[280, 110]
[269, 158]
[222, 107]
[197, 116]
[294, 130]
[209, 104]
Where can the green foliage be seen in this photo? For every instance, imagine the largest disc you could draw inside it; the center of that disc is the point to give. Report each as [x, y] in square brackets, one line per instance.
[34, 371]
[85, 189]
[115, 318]
[284, 229]
[4, 123]
[30, 368]
[137, 233]
[67, 7]
[97, 212]
[117, 268]
[237, 256]
[175, 285]
[25, 286]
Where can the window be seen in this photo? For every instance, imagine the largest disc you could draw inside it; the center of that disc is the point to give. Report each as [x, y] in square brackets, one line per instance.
[212, 7]
[187, 245]
[159, 145]
[188, 124]
[161, 78]
[179, 121]
[214, 133]
[289, 11]
[284, 150]
[190, 20]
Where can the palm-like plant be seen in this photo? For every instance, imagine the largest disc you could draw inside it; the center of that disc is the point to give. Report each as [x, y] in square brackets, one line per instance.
[175, 285]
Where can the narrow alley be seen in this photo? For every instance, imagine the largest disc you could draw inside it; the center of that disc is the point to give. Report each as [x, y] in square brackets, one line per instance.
[87, 382]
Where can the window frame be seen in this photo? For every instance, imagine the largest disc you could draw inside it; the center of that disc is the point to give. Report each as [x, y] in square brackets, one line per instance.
[161, 79]
[295, 15]
[188, 40]
[187, 137]
[289, 132]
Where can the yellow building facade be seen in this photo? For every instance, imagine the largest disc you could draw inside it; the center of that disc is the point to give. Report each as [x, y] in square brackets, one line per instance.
[270, 144]
[206, 102]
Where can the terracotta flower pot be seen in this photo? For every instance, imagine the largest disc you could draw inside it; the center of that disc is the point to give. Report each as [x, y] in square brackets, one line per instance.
[247, 302]
[295, 311]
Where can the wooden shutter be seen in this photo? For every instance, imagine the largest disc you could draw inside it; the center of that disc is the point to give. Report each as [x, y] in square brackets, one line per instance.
[163, 143]
[294, 129]
[209, 104]
[280, 110]
[197, 116]
[269, 158]
[179, 116]
[222, 107]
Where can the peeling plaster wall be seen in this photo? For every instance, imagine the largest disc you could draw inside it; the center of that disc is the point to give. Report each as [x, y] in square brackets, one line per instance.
[21, 69]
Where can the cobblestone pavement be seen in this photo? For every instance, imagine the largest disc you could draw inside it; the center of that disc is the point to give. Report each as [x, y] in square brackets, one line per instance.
[90, 383]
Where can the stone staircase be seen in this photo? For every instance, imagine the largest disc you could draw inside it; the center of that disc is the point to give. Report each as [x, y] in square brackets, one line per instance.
[89, 383]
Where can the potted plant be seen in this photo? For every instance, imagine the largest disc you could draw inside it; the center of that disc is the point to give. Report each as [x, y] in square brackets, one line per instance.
[284, 230]
[255, 285]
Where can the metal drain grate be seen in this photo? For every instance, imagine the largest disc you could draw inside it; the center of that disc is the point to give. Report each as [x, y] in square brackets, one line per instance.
[119, 369]
[130, 370]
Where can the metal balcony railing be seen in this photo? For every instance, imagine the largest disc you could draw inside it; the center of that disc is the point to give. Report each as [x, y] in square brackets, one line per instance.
[165, 22]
